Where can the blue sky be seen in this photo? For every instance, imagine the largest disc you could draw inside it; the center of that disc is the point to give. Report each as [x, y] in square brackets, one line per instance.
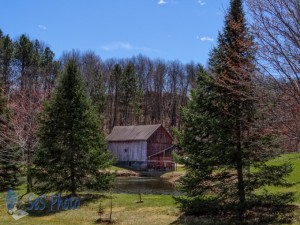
[169, 29]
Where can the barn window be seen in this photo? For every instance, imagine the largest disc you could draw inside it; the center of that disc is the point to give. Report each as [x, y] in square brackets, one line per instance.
[125, 150]
[129, 164]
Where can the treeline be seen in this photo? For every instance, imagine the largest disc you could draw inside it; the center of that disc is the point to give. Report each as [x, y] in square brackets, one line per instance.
[26, 64]
[136, 90]
[131, 91]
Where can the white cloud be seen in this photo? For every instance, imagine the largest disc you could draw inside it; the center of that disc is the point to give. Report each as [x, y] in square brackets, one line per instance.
[201, 2]
[42, 27]
[126, 46]
[116, 46]
[162, 2]
[205, 38]
[147, 49]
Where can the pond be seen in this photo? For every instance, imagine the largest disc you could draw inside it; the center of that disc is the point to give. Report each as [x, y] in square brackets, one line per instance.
[144, 185]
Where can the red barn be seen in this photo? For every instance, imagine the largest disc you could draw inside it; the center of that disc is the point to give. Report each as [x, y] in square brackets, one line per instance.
[142, 147]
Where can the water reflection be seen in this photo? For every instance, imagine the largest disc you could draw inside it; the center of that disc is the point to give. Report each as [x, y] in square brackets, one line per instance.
[145, 185]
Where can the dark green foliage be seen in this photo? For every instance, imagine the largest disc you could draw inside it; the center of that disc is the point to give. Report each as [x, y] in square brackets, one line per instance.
[49, 68]
[201, 147]
[99, 96]
[24, 53]
[227, 141]
[116, 74]
[26, 59]
[9, 153]
[72, 146]
[128, 94]
[6, 54]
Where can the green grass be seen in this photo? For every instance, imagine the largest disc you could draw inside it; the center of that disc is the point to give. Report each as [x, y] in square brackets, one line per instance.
[180, 168]
[155, 210]
[294, 177]
[115, 168]
[174, 175]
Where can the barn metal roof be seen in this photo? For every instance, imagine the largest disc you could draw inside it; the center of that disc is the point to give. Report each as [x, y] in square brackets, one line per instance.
[132, 133]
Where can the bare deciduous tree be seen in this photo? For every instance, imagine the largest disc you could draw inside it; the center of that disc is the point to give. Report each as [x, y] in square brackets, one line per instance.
[276, 28]
[24, 121]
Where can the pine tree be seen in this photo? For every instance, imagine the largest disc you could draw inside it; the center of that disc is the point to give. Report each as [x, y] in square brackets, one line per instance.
[200, 156]
[72, 147]
[6, 55]
[25, 61]
[128, 94]
[226, 140]
[9, 152]
[116, 75]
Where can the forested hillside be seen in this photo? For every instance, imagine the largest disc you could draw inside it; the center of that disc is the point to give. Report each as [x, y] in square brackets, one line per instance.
[136, 90]
[125, 91]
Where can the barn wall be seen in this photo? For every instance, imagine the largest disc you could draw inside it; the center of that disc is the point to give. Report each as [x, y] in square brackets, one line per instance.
[159, 141]
[136, 150]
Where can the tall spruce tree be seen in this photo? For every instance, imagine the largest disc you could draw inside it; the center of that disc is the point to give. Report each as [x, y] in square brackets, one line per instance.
[72, 147]
[9, 152]
[226, 138]
[128, 95]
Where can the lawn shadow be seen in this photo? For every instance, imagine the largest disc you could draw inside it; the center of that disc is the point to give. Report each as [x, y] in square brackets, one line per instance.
[258, 215]
[203, 220]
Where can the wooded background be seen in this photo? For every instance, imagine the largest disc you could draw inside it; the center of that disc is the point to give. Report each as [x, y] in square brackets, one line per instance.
[129, 91]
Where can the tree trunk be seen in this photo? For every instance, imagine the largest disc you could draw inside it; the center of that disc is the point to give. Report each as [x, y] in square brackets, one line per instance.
[73, 184]
[239, 167]
[29, 178]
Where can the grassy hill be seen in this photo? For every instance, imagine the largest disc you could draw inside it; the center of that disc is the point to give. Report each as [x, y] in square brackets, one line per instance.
[156, 209]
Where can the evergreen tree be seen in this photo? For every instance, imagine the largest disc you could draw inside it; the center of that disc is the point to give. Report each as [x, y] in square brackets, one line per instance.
[200, 152]
[9, 153]
[25, 61]
[116, 75]
[72, 147]
[49, 69]
[226, 140]
[6, 56]
[128, 94]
